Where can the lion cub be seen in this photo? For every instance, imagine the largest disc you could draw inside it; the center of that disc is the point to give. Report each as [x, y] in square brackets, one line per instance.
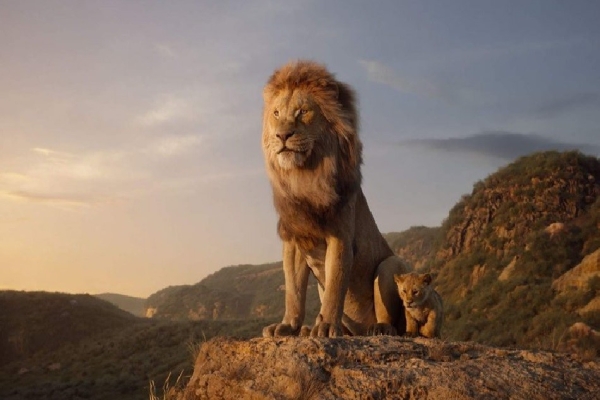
[423, 305]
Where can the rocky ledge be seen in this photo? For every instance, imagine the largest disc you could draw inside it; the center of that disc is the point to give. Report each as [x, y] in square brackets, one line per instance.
[384, 368]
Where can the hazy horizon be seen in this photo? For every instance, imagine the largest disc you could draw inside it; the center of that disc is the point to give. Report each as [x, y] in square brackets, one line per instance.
[130, 154]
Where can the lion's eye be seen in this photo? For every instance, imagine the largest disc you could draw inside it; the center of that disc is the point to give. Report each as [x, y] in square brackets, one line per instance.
[303, 111]
[276, 113]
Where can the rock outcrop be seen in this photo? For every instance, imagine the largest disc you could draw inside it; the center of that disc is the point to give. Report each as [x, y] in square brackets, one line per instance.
[579, 276]
[548, 188]
[383, 368]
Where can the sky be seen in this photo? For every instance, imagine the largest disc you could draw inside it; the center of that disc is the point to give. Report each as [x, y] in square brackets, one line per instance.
[130, 155]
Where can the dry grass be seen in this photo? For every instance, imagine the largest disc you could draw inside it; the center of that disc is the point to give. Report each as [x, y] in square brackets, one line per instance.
[168, 392]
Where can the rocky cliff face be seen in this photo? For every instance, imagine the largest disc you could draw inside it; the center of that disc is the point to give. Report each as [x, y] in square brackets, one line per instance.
[383, 368]
[579, 276]
[527, 195]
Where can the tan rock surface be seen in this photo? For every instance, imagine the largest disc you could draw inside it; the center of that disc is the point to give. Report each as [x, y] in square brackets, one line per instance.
[578, 276]
[384, 368]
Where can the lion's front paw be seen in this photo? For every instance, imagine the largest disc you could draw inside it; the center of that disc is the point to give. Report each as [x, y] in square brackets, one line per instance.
[411, 333]
[382, 329]
[324, 329]
[280, 330]
[305, 331]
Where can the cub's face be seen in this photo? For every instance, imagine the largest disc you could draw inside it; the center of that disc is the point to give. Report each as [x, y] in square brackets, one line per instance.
[293, 124]
[414, 289]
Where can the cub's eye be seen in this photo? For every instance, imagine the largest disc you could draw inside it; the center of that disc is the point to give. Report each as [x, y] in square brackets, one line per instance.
[415, 292]
[303, 111]
[276, 113]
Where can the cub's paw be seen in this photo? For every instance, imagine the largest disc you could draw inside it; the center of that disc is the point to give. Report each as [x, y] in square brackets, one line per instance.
[382, 329]
[280, 330]
[324, 329]
[411, 334]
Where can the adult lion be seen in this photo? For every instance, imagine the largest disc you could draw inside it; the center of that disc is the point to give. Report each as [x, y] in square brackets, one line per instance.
[313, 156]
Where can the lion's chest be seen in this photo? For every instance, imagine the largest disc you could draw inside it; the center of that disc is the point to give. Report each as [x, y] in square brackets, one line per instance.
[419, 314]
[305, 187]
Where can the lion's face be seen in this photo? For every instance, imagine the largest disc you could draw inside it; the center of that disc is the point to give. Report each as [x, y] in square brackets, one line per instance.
[414, 289]
[294, 124]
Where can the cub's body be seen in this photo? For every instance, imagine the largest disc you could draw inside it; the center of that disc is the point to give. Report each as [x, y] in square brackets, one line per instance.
[422, 304]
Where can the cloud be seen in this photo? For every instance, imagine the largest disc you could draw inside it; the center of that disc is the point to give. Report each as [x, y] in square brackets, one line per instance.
[568, 103]
[66, 179]
[85, 166]
[501, 144]
[168, 109]
[165, 50]
[173, 145]
[58, 200]
[380, 73]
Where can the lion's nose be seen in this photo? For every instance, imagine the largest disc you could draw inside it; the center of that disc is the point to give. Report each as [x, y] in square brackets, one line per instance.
[283, 136]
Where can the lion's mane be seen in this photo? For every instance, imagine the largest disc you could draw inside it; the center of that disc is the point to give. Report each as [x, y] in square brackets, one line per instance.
[334, 163]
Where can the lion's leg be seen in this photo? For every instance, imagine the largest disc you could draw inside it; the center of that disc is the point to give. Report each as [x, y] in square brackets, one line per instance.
[389, 310]
[295, 272]
[338, 264]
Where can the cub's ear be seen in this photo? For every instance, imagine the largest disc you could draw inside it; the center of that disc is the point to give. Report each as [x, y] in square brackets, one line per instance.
[426, 278]
[399, 279]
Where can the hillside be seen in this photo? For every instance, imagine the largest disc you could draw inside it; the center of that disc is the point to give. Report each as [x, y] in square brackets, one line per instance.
[415, 245]
[232, 293]
[503, 246]
[60, 346]
[35, 321]
[133, 305]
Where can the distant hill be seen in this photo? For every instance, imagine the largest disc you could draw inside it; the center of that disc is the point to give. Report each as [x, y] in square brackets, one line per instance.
[232, 293]
[57, 346]
[415, 245]
[39, 321]
[133, 305]
[117, 363]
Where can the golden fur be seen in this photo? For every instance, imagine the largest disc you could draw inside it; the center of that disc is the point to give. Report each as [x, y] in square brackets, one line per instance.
[313, 155]
[423, 305]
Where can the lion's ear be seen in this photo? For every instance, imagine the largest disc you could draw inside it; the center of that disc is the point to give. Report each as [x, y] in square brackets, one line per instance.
[427, 279]
[267, 93]
[399, 279]
[330, 87]
[335, 89]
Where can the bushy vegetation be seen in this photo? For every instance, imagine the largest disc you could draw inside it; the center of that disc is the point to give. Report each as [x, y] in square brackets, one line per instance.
[505, 220]
[112, 363]
[32, 321]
